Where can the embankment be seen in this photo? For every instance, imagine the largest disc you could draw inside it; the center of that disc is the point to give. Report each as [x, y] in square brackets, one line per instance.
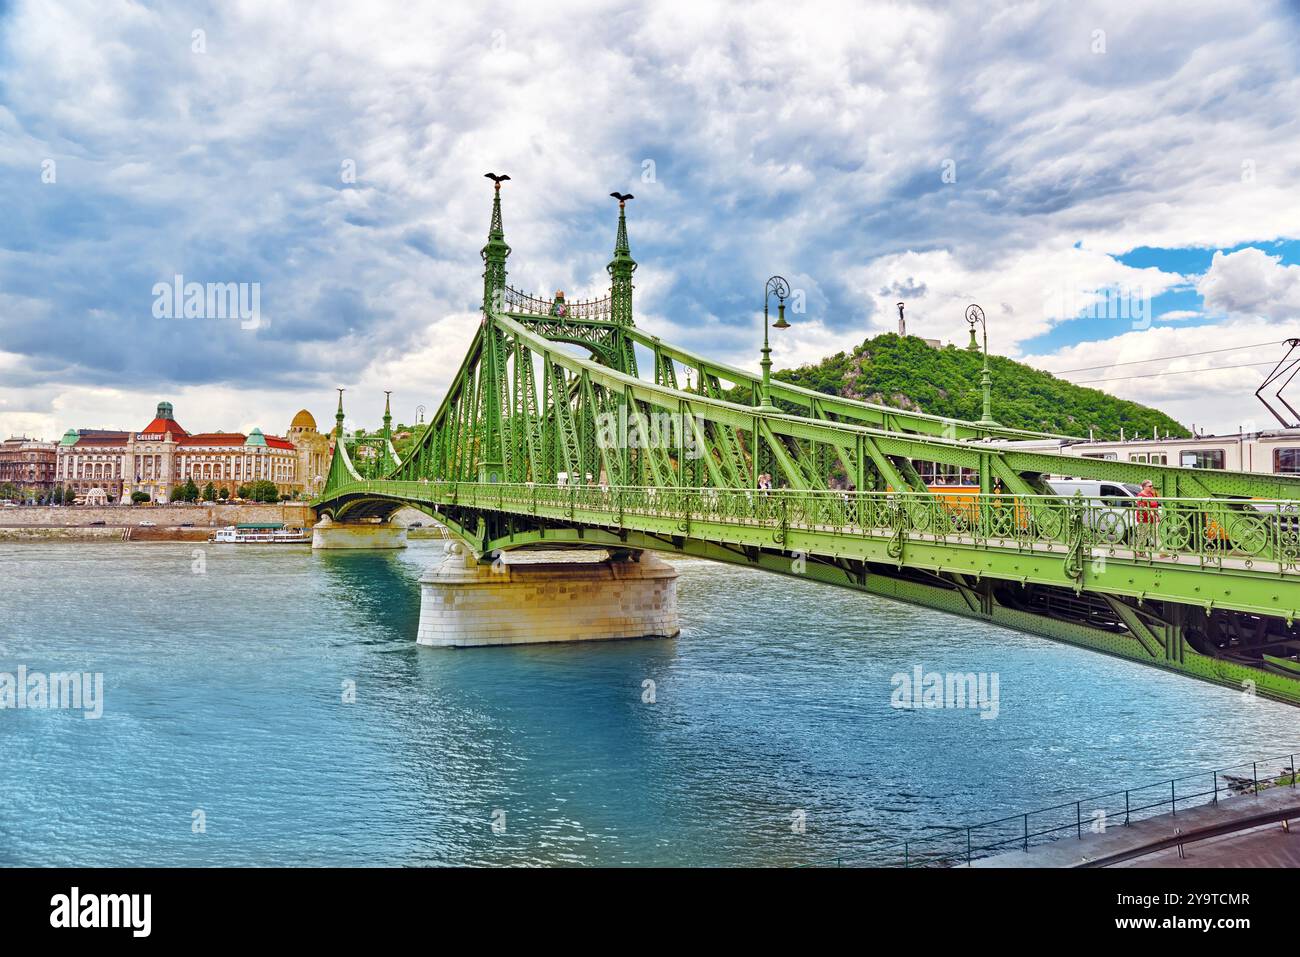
[209, 515]
[117, 523]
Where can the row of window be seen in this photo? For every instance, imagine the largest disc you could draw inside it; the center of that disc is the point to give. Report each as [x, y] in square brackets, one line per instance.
[935, 473]
[1285, 461]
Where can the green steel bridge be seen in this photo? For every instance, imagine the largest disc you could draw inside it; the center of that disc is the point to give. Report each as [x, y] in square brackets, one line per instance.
[550, 437]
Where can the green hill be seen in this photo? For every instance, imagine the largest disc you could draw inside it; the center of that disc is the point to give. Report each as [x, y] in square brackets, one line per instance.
[907, 373]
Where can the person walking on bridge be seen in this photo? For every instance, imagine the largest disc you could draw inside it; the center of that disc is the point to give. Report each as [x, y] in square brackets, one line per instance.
[1148, 516]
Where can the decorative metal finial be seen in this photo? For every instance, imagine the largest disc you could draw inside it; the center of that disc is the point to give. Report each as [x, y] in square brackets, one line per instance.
[495, 252]
[621, 268]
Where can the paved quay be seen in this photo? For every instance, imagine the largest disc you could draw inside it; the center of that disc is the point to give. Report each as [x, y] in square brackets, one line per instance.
[1261, 845]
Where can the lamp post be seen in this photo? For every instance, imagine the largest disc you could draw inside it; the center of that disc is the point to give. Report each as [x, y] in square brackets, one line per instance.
[778, 285]
[974, 314]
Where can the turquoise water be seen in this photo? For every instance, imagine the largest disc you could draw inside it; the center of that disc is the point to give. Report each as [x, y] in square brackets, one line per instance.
[223, 693]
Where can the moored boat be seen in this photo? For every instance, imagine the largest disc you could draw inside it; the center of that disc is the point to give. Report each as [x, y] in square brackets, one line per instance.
[261, 533]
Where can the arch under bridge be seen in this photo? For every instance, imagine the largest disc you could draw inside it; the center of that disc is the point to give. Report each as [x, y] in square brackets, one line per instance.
[535, 446]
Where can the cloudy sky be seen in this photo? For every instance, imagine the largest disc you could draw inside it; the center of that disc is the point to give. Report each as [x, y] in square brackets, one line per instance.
[1112, 182]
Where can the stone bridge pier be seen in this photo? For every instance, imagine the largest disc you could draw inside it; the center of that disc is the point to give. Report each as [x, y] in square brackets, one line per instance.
[366, 533]
[545, 596]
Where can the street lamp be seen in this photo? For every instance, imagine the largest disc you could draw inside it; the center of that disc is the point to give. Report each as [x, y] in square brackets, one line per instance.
[974, 314]
[778, 285]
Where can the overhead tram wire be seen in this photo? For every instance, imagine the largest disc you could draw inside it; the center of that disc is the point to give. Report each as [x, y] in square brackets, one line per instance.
[1184, 355]
[1151, 375]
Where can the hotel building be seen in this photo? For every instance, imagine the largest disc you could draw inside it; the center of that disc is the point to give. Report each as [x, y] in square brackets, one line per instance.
[163, 455]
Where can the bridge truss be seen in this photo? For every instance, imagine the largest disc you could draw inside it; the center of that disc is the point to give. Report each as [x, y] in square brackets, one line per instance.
[535, 445]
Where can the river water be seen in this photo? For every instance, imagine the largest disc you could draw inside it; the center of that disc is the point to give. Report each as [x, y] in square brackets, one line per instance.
[229, 736]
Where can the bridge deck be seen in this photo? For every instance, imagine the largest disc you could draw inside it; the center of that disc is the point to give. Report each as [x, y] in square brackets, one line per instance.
[1191, 555]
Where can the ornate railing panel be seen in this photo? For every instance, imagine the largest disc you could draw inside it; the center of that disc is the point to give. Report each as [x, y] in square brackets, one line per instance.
[516, 301]
[1209, 533]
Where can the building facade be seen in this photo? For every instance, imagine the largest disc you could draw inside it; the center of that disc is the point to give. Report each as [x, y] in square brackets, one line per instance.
[314, 451]
[28, 464]
[163, 455]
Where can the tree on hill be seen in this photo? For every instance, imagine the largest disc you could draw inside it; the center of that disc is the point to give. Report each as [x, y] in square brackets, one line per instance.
[905, 372]
[404, 445]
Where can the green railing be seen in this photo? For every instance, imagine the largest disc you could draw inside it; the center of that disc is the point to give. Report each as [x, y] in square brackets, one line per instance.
[1212, 533]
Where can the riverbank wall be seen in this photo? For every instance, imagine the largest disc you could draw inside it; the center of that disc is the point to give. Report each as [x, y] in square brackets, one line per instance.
[206, 515]
[25, 534]
[118, 523]
[171, 523]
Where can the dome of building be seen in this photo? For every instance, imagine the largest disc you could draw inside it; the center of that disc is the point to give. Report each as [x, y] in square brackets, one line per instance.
[255, 438]
[303, 420]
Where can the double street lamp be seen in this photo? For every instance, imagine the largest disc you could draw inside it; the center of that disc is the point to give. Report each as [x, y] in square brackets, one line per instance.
[781, 288]
[974, 314]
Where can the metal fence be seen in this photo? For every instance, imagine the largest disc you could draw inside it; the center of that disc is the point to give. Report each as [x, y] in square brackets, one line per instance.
[1073, 819]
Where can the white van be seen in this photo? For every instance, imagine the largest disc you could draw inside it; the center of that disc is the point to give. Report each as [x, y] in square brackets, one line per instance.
[1110, 505]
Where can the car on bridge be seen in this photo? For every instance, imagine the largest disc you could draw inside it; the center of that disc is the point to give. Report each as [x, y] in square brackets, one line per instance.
[1110, 506]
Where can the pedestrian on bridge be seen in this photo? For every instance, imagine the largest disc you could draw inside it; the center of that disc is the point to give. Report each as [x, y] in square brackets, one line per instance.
[1148, 515]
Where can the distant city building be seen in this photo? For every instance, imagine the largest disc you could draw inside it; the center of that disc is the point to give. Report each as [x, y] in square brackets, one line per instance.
[28, 463]
[314, 451]
[163, 455]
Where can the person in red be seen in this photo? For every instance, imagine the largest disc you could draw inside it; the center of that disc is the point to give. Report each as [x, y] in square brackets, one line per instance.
[1148, 514]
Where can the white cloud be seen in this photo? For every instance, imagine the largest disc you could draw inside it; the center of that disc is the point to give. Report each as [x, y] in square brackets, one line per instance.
[1250, 282]
[814, 150]
[1214, 390]
[1023, 295]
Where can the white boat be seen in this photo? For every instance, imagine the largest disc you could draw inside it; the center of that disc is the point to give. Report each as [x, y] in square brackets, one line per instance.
[260, 534]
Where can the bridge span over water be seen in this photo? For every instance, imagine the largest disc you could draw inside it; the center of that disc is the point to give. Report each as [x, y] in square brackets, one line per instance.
[536, 447]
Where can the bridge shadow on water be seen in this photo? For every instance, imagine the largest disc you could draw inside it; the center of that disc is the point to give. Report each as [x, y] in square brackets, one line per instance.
[561, 737]
[378, 591]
